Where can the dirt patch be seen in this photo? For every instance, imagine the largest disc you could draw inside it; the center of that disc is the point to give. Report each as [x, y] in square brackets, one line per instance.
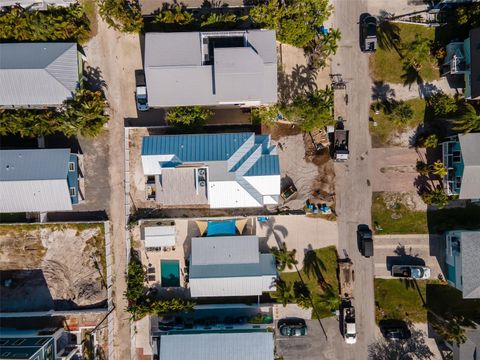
[52, 266]
[411, 200]
[312, 173]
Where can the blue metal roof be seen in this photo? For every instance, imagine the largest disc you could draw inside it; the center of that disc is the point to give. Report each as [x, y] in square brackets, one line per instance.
[266, 165]
[192, 148]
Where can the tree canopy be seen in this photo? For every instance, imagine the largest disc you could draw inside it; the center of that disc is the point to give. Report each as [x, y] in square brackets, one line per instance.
[54, 24]
[295, 21]
[84, 114]
[122, 15]
[469, 121]
[188, 118]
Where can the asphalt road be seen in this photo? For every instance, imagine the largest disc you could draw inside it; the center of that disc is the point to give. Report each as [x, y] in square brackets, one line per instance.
[354, 193]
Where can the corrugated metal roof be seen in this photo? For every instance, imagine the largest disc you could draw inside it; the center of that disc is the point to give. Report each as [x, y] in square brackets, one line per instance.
[37, 74]
[266, 165]
[225, 250]
[470, 147]
[176, 77]
[470, 248]
[193, 148]
[219, 346]
[34, 180]
[34, 164]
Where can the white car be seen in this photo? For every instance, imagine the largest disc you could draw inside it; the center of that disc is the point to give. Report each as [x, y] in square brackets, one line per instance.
[411, 271]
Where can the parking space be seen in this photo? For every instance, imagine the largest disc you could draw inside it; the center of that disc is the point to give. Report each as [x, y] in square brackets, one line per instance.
[415, 249]
[315, 346]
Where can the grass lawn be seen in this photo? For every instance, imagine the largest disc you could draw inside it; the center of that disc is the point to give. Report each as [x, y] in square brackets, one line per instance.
[400, 299]
[381, 134]
[327, 257]
[406, 221]
[386, 64]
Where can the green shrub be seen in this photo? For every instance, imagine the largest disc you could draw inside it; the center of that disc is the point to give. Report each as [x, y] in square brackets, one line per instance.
[55, 24]
[295, 21]
[84, 114]
[122, 15]
[188, 118]
[402, 112]
[442, 104]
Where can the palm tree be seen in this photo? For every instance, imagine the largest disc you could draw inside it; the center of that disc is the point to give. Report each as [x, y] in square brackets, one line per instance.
[450, 330]
[469, 121]
[283, 292]
[302, 294]
[313, 266]
[435, 197]
[417, 52]
[330, 298]
[285, 259]
[402, 112]
[439, 169]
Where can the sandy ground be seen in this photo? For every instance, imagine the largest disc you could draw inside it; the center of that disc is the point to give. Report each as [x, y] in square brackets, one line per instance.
[117, 55]
[35, 259]
[394, 169]
[423, 90]
[313, 176]
[298, 232]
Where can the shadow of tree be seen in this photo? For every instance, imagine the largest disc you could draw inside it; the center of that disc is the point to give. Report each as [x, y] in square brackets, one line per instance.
[413, 348]
[388, 36]
[411, 76]
[313, 266]
[382, 92]
[279, 232]
[300, 82]
[94, 79]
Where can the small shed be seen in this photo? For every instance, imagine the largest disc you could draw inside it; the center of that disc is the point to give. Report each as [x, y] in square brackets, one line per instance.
[159, 236]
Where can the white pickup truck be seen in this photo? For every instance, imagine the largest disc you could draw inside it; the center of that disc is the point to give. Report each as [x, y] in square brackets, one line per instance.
[141, 91]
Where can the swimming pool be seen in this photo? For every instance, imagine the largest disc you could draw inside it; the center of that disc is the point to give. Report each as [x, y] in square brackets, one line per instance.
[170, 273]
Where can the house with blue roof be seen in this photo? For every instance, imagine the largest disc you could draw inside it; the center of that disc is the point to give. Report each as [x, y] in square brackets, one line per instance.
[39, 180]
[211, 170]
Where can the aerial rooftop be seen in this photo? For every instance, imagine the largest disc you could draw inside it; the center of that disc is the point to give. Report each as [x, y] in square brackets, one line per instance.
[211, 68]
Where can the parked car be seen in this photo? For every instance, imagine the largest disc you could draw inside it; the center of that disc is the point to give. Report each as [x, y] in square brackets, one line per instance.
[395, 330]
[368, 33]
[411, 271]
[293, 327]
[365, 241]
[349, 327]
[141, 91]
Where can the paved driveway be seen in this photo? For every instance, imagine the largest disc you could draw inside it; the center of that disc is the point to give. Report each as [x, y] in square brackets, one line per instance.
[394, 169]
[415, 249]
[314, 346]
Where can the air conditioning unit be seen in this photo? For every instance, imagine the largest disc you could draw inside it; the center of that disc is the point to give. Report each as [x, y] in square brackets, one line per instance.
[202, 172]
[202, 183]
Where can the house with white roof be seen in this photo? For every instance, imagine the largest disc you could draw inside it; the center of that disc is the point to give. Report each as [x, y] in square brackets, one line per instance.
[229, 68]
[37, 4]
[211, 170]
[230, 266]
[38, 74]
[39, 180]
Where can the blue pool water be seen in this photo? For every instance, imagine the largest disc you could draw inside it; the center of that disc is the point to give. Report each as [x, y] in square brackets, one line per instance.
[170, 273]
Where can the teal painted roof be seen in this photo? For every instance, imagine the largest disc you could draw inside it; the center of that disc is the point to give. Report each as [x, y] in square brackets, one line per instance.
[266, 165]
[192, 148]
[214, 147]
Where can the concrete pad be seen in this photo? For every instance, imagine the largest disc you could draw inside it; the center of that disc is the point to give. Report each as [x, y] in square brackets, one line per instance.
[394, 169]
[419, 249]
[298, 232]
[291, 310]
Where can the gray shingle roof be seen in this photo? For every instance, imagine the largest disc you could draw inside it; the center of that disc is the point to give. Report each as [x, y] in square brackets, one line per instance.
[470, 146]
[175, 74]
[34, 180]
[470, 245]
[37, 74]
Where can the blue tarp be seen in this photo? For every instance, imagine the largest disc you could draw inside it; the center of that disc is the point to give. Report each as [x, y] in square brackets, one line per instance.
[221, 228]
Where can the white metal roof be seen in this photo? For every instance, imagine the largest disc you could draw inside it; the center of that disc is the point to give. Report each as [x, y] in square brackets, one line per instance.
[225, 346]
[34, 180]
[230, 266]
[158, 236]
